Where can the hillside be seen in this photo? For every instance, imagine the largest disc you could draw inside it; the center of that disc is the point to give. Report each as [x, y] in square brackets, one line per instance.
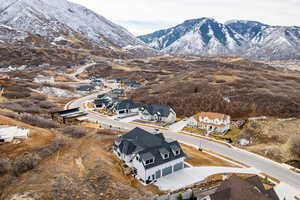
[238, 87]
[248, 39]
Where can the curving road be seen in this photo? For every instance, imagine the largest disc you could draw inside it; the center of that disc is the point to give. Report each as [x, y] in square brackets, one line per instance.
[262, 164]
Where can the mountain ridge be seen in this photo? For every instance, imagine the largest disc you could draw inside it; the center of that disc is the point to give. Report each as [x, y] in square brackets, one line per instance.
[242, 38]
[51, 18]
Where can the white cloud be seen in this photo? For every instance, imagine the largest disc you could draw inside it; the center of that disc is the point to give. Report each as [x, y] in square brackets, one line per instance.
[138, 15]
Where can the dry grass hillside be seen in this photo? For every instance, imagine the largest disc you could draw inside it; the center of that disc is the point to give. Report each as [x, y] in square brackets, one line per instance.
[276, 139]
[60, 162]
[237, 87]
[22, 55]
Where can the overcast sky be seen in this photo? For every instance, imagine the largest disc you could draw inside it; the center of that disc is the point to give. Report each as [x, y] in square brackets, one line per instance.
[145, 16]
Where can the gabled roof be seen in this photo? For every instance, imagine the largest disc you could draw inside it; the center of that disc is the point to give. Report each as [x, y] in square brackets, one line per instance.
[237, 188]
[132, 84]
[85, 88]
[117, 91]
[157, 153]
[126, 104]
[67, 111]
[162, 110]
[140, 137]
[147, 146]
[211, 115]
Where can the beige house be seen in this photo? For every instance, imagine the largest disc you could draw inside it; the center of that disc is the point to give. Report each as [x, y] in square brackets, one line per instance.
[211, 122]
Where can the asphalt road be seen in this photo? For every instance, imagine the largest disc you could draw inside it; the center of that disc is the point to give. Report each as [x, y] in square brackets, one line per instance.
[262, 164]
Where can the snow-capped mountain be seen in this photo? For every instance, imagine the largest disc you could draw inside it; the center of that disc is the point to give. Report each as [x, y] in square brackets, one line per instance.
[247, 39]
[10, 35]
[53, 18]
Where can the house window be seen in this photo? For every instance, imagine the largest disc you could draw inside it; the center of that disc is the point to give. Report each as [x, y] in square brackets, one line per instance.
[166, 156]
[150, 161]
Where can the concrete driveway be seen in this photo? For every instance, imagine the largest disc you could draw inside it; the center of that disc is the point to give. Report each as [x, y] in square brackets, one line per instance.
[178, 126]
[189, 176]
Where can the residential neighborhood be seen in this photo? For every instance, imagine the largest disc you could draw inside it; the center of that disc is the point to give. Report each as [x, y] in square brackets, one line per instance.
[114, 103]
[169, 100]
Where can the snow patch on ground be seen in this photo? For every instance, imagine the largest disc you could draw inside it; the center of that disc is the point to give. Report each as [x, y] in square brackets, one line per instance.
[44, 79]
[56, 92]
[61, 38]
[11, 68]
[189, 176]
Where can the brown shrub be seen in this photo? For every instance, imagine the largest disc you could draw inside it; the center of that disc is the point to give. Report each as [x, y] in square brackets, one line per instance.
[294, 144]
[75, 132]
[39, 121]
[50, 149]
[47, 105]
[5, 165]
[25, 162]
[16, 95]
[28, 106]
[39, 97]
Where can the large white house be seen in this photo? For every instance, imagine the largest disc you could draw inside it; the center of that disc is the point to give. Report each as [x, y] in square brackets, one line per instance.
[150, 156]
[211, 122]
[9, 133]
[158, 113]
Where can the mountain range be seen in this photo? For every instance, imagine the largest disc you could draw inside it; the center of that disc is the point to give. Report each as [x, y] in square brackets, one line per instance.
[60, 23]
[249, 39]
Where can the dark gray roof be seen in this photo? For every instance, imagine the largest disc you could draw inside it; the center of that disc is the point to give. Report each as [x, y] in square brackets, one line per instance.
[126, 104]
[100, 96]
[163, 150]
[71, 113]
[85, 88]
[162, 110]
[251, 188]
[132, 84]
[100, 102]
[67, 111]
[147, 156]
[139, 138]
[148, 145]
[159, 160]
[117, 91]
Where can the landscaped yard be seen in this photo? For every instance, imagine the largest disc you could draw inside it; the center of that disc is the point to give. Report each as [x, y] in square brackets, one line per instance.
[232, 134]
[200, 158]
[194, 130]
